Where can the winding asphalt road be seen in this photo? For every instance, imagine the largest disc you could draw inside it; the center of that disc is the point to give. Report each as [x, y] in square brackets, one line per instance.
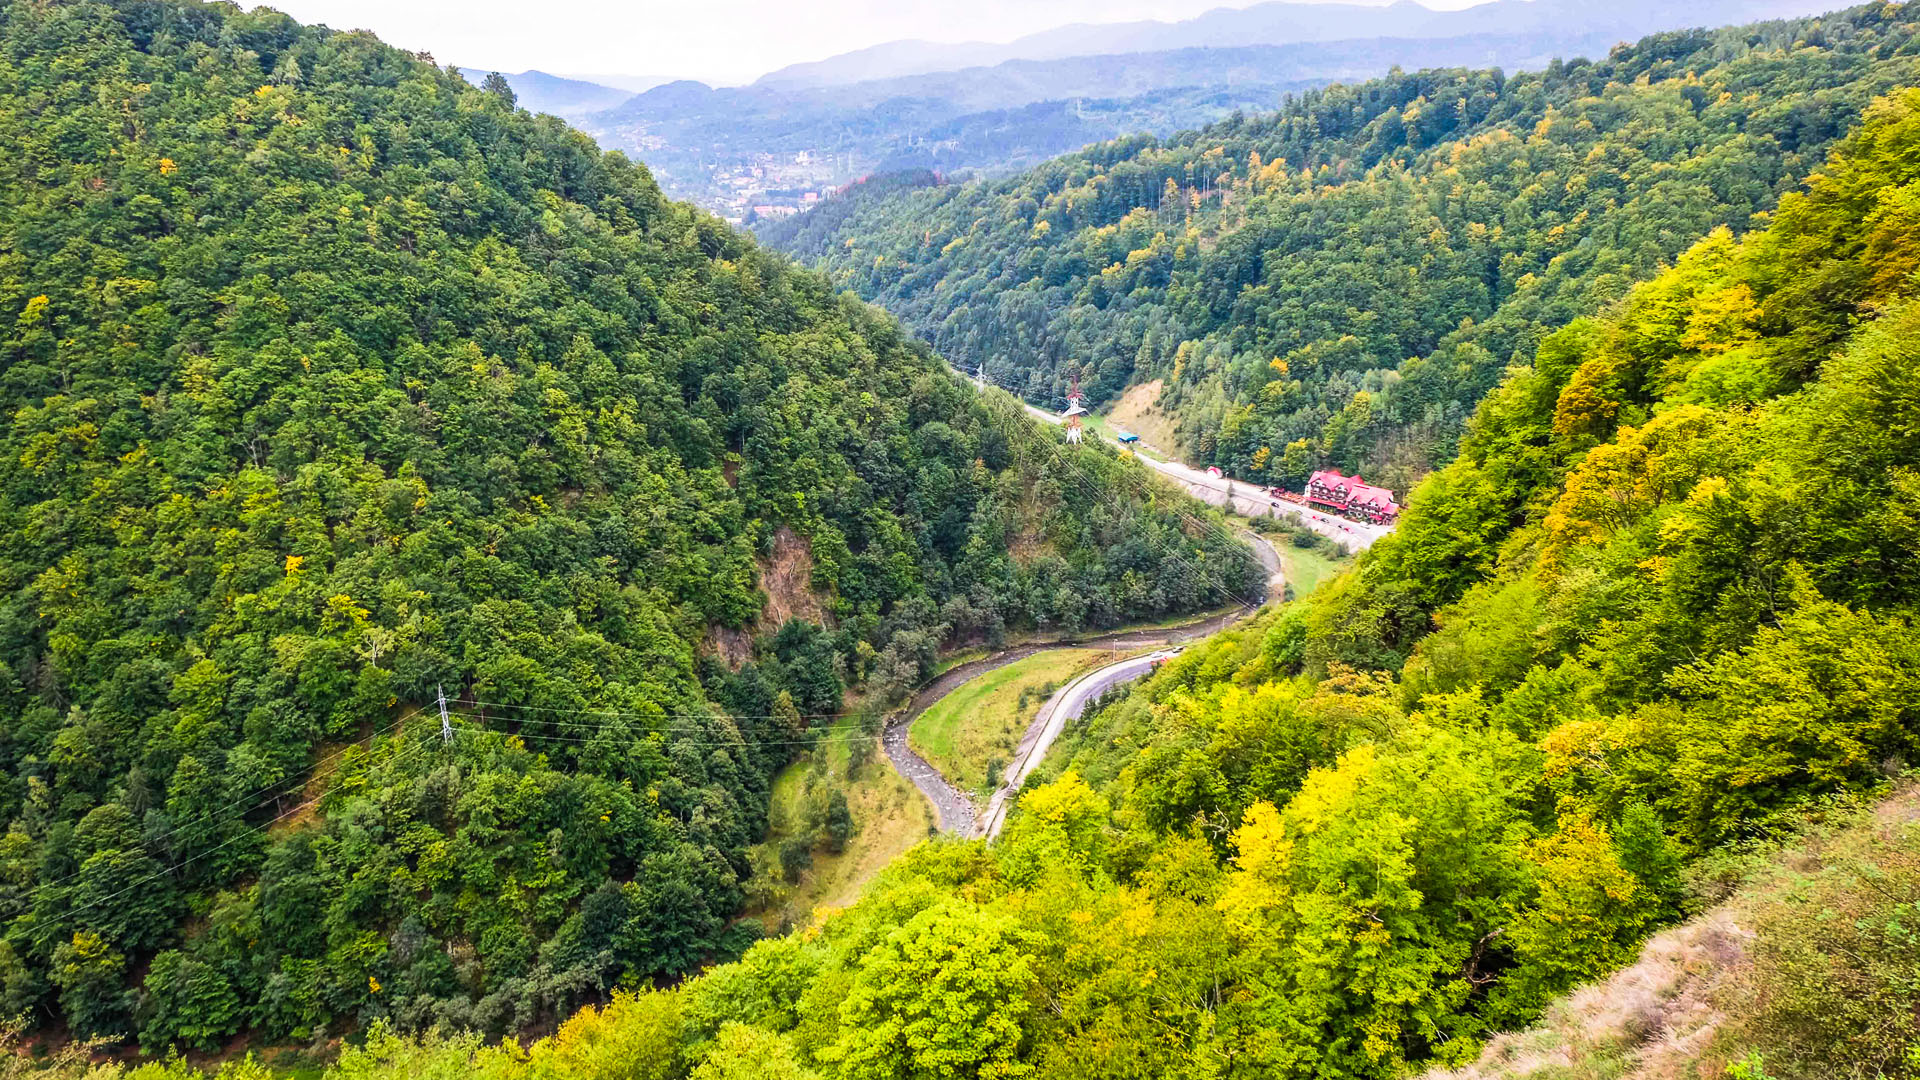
[1064, 706]
[1247, 499]
[954, 808]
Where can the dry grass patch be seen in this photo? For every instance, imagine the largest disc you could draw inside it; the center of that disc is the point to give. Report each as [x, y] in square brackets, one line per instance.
[796, 872]
[1806, 972]
[970, 735]
[1136, 411]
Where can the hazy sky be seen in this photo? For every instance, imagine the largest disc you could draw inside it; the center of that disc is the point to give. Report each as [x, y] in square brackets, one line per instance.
[715, 40]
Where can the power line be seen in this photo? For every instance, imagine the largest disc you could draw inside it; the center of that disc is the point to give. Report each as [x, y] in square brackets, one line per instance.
[267, 791]
[288, 785]
[738, 743]
[413, 752]
[1192, 573]
[602, 725]
[607, 729]
[74, 913]
[708, 715]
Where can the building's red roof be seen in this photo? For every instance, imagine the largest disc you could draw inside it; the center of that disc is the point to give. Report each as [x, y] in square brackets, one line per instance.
[1353, 490]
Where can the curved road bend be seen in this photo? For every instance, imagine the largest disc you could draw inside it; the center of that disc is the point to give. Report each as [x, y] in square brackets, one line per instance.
[1064, 706]
[953, 807]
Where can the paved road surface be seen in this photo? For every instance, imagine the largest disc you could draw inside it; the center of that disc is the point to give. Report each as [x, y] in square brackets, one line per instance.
[1248, 499]
[1270, 559]
[955, 808]
[1065, 705]
[1253, 501]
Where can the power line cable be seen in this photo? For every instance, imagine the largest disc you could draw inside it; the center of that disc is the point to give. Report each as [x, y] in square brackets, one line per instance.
[712, 714]
[739, 743]
[262, 796]
[73, 913]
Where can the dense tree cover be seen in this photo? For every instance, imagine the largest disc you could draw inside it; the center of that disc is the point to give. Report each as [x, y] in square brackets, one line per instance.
[331, 380]
[1804, 970]
[1342, 281]
[1662, 607]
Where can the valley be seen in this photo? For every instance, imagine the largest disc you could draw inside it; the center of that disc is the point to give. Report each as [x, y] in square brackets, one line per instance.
[467, 610]
[957, 691]
[760, 153]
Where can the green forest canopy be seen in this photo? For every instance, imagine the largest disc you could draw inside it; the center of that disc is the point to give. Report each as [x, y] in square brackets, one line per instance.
[1658, 614]
[1341, 281]
[331, 381]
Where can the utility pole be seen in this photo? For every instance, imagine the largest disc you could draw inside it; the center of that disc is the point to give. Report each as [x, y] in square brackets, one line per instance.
[446, 725]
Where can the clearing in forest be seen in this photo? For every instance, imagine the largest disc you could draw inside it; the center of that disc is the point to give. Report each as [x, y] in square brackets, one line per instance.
[796, 869]
[1307, 568]
[1135, 411]
[970, 734]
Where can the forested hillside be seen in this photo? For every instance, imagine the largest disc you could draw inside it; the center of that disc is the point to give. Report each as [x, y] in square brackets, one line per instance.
[1653, 629]
[331, 382]
[1340, 282]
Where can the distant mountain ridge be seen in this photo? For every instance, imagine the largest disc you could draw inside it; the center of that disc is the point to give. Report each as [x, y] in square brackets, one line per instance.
[571, 98]
[776, 146]
[888, 60]
[632, 84]
[1281, 22]
[1012, 83]
[733, 148]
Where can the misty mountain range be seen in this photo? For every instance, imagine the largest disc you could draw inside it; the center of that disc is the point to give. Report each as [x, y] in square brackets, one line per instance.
[1281, 23]
[778, 144]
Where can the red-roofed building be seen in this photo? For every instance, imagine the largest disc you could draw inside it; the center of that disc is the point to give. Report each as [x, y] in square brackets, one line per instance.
[1353, 497]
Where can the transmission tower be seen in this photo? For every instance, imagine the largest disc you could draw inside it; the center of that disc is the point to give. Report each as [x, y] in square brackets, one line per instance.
[1074, 411]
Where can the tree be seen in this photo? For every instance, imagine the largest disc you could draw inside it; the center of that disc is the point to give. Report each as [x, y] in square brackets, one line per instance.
[944, 995]
[188, 1003]
[88, 973]
[1588, 916]
[747, 1053]
[632, 1037]
[497, 85]
[483, 442]
[839, 822]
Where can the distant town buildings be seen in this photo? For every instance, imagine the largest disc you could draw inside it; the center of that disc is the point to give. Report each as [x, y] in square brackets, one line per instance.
[737, 187]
